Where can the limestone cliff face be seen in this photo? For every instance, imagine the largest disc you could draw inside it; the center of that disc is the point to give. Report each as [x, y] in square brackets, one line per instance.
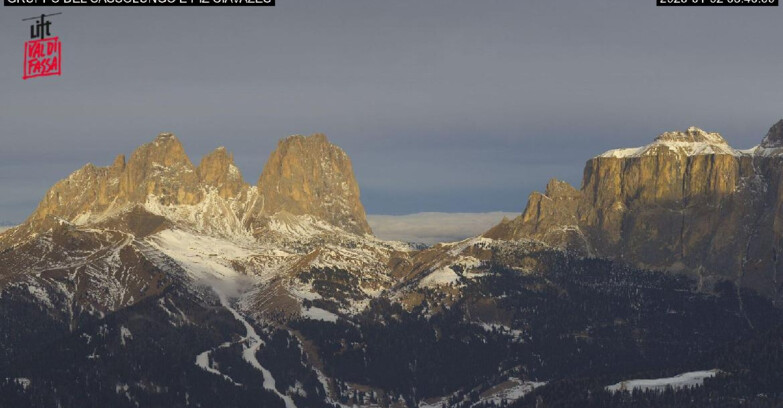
[89, 188]
[160, 169]
[551, 217]
[309, 175]
[217, 169]
[688, 202]
[648, 203]
[304, 176]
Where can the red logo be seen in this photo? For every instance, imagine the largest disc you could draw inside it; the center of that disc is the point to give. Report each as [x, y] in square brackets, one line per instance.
[42, 57]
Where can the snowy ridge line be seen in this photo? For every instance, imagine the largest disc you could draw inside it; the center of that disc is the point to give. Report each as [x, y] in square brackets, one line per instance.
[213, 215]
[107, 252]
[162, 261]
[315, 313]
[692, 142]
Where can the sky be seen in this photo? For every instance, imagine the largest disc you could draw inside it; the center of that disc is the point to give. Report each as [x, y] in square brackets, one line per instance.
[442, 105]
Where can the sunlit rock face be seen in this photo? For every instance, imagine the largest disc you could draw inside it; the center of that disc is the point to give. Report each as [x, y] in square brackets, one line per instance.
[688, 202]
[99, 231]
[217, 169]
[304, 176]
[309, 175]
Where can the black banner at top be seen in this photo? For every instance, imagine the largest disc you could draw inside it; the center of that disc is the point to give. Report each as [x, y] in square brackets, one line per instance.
[141, 3]
[717, 3]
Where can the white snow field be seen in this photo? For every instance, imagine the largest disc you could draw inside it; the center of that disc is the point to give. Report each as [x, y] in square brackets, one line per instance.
[684, 380]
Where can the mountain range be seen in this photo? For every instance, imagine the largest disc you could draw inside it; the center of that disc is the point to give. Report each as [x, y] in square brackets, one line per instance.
[157, 282]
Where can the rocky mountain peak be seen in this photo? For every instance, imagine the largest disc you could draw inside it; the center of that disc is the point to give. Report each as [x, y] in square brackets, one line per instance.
[774, 137]
[217, 169]
[560, 189]
[166, 150]
[164, 137]
[307, 175]
[160, 168]
[687, 202]
[691, 142]
[304, 176]
[692, 135]
[119, 163]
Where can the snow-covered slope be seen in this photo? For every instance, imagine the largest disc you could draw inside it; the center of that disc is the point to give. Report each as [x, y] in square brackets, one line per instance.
[82, 270]
[295, 240]
[290, 260]
[689, 379]
[692, 142]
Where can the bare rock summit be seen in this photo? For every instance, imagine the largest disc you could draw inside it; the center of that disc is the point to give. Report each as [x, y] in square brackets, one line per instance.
[310, 176]
[304, 176]
[688, 202]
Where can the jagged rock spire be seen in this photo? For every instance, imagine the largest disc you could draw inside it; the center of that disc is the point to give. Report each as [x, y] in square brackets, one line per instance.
[160, 168]
[304, 176]
[217, 169]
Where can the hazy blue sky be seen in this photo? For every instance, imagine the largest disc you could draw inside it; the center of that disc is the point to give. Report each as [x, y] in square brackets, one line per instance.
[443, 105]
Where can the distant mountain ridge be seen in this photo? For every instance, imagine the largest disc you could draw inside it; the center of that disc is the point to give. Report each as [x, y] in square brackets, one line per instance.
[158, 282]
[304, 211]
[688, 202]
[159, 176]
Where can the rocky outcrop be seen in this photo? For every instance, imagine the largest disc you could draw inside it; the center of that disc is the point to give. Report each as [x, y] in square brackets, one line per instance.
[88, 189]
[304, 176]
[551, 217]
[688, 202]
[310, 176]
[160, 169]
[774, 137]
[217, 169]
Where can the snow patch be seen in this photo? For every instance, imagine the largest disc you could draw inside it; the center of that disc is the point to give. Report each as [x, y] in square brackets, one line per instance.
[41, 294]
[125, 334]
[764, 151]
[304, 293]
[458, 247]
[693, 142]
[510, 391]
[516, 335]
[82, 218]
[213, 215]
[315, 313]
[689, 379]
[207, 259]
[440, 277]
[22, 381]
